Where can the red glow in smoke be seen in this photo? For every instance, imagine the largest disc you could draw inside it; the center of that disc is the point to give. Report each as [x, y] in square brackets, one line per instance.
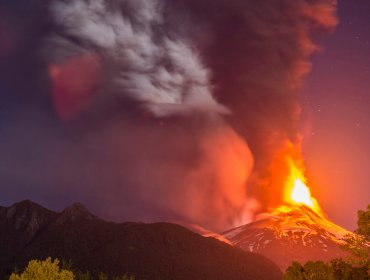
[73, 84]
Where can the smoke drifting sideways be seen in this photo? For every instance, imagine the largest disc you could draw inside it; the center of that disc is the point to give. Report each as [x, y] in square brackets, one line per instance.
[162, 110]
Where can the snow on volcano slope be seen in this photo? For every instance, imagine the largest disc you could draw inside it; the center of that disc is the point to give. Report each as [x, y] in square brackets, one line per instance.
[291, 233]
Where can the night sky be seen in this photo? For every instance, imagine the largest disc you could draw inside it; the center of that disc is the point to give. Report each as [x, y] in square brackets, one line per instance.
[335, 120]
[337, 103]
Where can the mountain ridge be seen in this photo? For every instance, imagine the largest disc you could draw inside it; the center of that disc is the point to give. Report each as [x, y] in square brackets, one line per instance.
[148, 251]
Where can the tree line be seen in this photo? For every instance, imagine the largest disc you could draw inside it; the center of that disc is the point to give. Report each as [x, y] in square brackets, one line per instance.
[355, 267]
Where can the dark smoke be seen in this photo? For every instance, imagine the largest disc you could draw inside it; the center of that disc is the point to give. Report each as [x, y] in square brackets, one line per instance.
[152, 110]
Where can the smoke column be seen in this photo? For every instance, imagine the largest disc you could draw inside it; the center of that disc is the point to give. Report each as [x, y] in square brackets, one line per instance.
[165, 110]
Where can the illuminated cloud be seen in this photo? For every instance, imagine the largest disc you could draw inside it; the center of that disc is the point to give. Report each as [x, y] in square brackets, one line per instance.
[166, 109]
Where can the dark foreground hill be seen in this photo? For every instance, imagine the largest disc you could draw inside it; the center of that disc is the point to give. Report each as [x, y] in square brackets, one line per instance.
[148, 251]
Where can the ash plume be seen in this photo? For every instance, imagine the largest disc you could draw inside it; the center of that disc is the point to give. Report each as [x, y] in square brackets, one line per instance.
[163, 109]
[140, 61]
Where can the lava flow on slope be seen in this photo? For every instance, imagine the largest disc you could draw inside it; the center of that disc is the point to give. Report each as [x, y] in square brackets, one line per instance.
[290, 233]
[295, 231]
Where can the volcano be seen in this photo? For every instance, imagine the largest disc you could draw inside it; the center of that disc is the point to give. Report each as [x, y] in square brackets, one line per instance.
[290, 233]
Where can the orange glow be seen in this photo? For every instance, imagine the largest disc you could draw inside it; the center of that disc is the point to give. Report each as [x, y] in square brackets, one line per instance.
[297, 191]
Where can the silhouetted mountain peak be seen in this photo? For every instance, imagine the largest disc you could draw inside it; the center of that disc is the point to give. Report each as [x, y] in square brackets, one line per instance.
[23, 219]
[27, 215]
[76, 211]
[22, 208]
[147, 251]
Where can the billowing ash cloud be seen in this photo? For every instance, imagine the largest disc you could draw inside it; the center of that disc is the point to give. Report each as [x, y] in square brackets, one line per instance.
[165, 109]
[139, 59]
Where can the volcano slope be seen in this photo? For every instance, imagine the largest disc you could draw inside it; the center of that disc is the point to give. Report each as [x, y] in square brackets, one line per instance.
[291, 233]
[147, 251]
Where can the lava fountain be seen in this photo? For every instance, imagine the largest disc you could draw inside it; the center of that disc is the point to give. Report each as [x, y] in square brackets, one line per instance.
[296, 190]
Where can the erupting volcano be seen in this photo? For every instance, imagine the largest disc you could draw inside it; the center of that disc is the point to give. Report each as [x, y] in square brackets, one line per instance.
[297, 191]
[181, 111]
[295, 231]
[290, 233]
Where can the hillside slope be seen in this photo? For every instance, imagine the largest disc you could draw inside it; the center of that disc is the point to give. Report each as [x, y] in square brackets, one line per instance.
[148, 251]
[292, 233]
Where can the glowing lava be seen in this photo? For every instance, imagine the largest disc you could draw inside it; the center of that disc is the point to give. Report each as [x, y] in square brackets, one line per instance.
[301, 194]
[297, 192]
